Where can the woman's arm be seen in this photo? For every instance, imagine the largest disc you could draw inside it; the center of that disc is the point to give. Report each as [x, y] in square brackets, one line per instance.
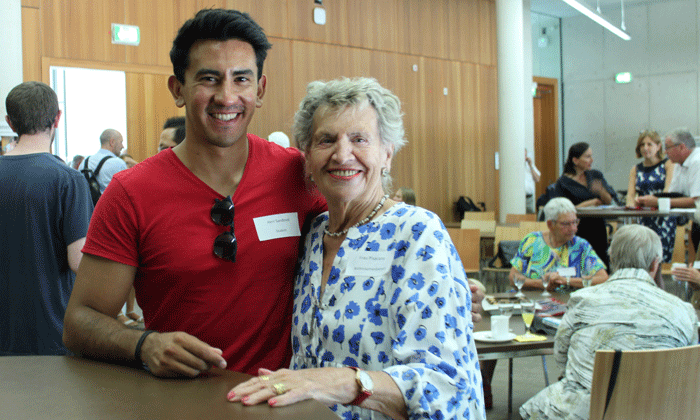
[590, 203]
[670, 167]
[632, 188]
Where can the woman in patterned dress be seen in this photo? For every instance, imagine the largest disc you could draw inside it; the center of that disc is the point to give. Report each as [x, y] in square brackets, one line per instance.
[651, 176]
[381, 324]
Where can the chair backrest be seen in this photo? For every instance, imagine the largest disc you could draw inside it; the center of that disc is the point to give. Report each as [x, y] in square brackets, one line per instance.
[483, 225]
[533, 226]
[519, 218]
[479, 215]
[651, 384]
[467, 242]
[507, 233]
[679, 249]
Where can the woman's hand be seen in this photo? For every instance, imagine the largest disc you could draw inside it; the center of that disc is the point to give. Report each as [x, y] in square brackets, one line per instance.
[598, 189]
[284, 387]
[590, 203]
[691, 275]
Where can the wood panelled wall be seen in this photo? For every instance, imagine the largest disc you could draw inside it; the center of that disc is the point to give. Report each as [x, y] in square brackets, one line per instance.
[417, 48]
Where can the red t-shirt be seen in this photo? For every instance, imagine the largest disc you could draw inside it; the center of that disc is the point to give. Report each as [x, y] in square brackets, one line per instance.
[156, 217]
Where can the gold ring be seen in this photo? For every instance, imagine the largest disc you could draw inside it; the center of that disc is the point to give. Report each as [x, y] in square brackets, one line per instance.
[279, 388]
[264, 377]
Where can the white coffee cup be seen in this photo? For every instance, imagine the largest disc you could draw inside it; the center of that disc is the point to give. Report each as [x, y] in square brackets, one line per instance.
[499, 326]
[674, 265]
[664, 205]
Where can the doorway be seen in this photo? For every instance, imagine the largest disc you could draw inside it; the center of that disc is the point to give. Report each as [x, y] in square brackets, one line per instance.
[545, 105]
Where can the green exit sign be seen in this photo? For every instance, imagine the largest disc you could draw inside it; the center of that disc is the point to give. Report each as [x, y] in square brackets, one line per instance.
[125, 34]
[625, 77]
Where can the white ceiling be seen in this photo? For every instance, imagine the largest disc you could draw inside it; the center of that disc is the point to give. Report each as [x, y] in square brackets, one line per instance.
[558, 8]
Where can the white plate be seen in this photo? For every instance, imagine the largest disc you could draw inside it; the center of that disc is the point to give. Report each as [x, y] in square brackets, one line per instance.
[486, 337]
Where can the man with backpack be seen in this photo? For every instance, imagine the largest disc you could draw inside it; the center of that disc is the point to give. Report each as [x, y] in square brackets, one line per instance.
[101, 165]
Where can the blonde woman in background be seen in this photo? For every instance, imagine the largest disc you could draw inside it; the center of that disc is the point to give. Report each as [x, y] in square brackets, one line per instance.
[653, 175]
[406, 195]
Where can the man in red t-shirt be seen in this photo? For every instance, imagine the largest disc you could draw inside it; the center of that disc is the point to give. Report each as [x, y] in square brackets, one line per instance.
[206, 232]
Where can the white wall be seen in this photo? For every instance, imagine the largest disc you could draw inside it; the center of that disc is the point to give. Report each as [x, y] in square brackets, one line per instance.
[664, 60]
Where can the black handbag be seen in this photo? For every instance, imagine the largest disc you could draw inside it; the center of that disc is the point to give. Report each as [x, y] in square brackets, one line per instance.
[506, 252]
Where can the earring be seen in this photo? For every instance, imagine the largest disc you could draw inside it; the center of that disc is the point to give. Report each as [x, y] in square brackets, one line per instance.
[385, 172]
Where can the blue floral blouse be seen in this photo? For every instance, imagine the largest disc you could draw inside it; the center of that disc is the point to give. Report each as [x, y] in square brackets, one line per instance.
[397, 301]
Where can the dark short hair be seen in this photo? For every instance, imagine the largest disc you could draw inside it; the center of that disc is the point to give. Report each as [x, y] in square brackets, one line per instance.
[32, 107]
[174, 122]
[179, 135]
[575, 151]
[219, 25]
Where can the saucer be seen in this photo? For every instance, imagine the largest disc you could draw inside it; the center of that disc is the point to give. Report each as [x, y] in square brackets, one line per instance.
[486, 337]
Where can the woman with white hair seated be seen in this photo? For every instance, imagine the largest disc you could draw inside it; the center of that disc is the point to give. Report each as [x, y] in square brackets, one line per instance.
[543, 252]
[627, 312]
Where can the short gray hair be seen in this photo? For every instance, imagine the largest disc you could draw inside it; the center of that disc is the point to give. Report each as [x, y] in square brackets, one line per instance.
[557, 206]
[681, 135]
[634, 246]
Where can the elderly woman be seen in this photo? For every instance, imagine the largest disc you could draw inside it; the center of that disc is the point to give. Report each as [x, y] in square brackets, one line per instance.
[627, 312]
[558, 247]
[651, 176]
[381, 322]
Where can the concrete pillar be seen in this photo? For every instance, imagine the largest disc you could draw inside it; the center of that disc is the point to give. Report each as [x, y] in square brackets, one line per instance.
[511, 106]
[11, 63]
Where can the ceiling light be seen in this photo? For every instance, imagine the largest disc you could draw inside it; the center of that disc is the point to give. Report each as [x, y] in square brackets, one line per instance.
[597, 18]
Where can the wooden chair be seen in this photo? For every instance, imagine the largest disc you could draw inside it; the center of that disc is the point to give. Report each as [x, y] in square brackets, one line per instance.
[497, 278]
[479, 215]
[487, 227]
[514, 219]
[533, 226]
[467, 243]
[650, 384]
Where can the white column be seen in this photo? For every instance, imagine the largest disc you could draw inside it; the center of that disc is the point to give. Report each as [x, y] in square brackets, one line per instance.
[11, 63]
[527, 81]
[511, 107]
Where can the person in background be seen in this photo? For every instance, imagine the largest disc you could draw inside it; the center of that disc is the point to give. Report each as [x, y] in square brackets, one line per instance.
[407, 195]
[77, 160]
[627, 312]
[543, 252]
[587, 187]
[680, 148]
[168, 137]
[111, 145]
[207, 232]
[129, 160]
[391, 339]
[653, 175]
[532, 177]
[44, 215]
[279, 138]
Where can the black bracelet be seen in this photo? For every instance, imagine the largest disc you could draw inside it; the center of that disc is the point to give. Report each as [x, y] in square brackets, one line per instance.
[139, 344]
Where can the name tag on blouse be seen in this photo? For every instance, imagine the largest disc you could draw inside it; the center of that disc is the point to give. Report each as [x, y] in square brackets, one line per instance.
[567, 271]
[368, 263]
[283, 225]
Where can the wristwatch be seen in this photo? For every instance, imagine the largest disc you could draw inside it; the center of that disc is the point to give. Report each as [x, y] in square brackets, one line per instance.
[365, 383]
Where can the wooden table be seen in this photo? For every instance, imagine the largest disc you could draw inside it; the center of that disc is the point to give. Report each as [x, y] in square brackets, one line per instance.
[628, 214]
[512, 349]
[66, 387]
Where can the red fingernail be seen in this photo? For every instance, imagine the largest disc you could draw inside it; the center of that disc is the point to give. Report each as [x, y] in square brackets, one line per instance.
[245, 399]
[231, 395]
[272, 402]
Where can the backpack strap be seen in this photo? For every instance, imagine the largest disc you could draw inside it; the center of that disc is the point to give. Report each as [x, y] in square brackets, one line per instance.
[85, 162]
[99, 165]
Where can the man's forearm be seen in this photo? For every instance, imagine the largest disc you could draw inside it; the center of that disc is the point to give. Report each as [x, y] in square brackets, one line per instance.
[92, 334]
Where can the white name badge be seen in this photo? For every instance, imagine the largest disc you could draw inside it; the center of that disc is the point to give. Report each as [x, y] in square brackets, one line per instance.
[696, 264]
[276, 226]
[567, 271]
[368, 263]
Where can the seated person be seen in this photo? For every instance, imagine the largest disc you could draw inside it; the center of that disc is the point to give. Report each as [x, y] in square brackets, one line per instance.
[405, 194]
[627, 312]
[542, 252]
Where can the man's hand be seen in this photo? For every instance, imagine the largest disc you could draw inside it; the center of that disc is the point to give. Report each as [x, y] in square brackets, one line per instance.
[477, 297]
[179, 354]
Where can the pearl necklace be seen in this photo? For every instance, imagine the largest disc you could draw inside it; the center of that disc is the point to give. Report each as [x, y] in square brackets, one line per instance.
[361, 222]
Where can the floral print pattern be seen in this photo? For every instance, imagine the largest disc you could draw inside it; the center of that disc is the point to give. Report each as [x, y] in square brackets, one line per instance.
[397, 300]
